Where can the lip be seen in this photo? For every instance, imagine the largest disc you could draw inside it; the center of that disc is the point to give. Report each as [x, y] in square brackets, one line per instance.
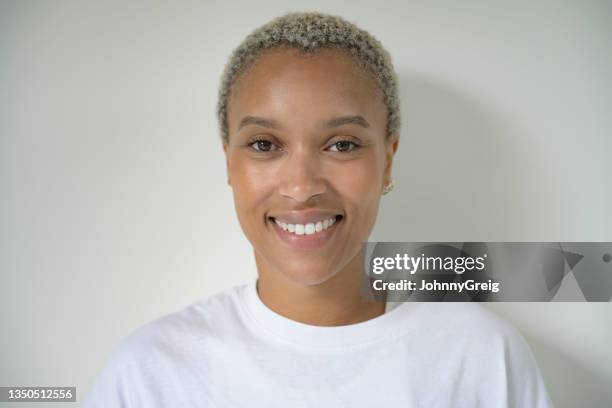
[306, 242]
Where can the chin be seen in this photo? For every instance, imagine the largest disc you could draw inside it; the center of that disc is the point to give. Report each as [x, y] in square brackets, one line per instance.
[309, 279]
[307, 274]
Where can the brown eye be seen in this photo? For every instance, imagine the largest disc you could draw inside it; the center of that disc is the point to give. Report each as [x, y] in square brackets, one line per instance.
[262, 145]
[343, 146]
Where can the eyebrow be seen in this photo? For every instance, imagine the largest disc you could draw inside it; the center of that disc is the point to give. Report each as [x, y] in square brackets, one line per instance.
[331, 123]
[347, 120]
[255, 120]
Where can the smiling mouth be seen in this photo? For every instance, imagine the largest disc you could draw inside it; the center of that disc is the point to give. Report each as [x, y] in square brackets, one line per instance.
[311, 228]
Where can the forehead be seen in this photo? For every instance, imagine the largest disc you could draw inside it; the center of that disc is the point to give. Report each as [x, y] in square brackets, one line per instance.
[286, 81]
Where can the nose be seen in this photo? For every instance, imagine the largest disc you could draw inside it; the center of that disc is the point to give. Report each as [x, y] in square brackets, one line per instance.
[302, 177]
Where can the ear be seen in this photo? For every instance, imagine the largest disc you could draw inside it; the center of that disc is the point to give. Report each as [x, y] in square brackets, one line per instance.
[227, 166]
[391, 145]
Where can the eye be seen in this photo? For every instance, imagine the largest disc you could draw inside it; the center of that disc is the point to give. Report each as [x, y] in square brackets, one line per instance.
[262, 145]
[343, 146]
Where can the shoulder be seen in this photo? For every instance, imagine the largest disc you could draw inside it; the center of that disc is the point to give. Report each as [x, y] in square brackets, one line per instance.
[164, 349]
[469, 321]
[490, 353]
[213, 316]
[474, 330]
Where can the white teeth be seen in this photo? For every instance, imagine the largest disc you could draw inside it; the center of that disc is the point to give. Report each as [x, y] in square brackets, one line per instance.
[307, 229]
[310, 229]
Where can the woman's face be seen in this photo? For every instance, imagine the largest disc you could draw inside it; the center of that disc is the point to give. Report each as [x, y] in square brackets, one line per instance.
[307, 160]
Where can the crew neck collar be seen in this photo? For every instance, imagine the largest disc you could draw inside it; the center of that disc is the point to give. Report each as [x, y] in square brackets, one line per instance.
[389, 324]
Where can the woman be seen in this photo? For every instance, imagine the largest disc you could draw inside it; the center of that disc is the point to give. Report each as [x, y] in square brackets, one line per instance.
[309, 119]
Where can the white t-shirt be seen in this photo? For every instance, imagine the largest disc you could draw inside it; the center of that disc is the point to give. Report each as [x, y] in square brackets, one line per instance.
[231, 350]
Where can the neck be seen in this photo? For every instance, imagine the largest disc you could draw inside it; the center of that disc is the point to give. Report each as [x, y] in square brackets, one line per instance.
[335, 302]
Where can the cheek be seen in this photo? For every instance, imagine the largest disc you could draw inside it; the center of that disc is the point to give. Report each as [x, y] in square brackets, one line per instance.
[251, 184]
[358, 182]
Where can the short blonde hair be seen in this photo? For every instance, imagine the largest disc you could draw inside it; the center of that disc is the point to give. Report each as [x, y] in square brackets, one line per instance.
[311, 32]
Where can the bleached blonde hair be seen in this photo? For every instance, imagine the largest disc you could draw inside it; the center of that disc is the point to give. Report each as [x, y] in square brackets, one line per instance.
[311, 32]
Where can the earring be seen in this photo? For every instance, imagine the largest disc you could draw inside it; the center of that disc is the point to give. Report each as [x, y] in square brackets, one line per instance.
[388, 188]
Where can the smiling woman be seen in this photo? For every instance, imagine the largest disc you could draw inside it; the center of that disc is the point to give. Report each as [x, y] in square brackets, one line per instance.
[309, 122]
[307, 144]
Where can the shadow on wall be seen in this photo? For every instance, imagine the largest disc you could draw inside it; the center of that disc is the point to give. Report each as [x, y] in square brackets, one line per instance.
[461, 172]
[466, 172]
[570, 383]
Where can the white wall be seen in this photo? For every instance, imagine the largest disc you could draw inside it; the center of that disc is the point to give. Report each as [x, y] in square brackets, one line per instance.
[112, 184]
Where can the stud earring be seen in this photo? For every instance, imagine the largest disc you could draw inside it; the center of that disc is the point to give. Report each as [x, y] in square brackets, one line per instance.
[388, 188]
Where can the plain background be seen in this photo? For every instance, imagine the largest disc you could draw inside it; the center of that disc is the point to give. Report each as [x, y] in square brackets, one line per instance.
[114, 208]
